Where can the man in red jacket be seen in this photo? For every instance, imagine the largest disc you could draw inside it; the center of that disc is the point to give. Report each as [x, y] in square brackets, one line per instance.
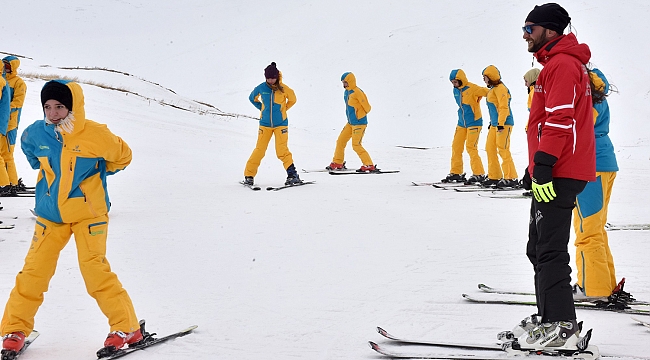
[562, 160]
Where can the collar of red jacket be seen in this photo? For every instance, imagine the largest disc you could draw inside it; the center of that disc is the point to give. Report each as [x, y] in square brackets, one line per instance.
[565, 44]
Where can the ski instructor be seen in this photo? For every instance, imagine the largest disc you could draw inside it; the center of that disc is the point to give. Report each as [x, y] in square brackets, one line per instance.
[562, 160]
[73, 155]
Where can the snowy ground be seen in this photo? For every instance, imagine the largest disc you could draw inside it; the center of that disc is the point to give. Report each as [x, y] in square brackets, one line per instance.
[309, 272]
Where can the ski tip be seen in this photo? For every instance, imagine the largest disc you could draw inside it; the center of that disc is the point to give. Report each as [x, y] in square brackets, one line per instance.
[373, 345]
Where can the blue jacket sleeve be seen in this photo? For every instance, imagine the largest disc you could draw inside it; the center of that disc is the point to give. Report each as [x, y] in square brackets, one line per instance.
[253, 99]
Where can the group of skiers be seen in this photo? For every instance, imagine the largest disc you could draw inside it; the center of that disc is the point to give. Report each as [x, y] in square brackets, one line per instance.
[570, 172]
[571, 161]
[12, 97]
[273, 98]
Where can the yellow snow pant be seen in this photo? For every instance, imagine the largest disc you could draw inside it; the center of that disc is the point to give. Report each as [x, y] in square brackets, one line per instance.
[499, 142]
[281, 149]
[466, 138]
[5, 154]
[8, 154]
[355, 133]
[594, 261]
[101, 283]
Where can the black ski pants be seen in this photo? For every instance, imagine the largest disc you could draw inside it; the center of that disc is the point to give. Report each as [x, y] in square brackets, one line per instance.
[548, 239]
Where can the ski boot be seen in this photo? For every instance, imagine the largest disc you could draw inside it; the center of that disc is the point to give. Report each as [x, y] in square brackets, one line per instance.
[368, 169]
[454, 178]
[12, 344]
[475, 179]
[335, 167]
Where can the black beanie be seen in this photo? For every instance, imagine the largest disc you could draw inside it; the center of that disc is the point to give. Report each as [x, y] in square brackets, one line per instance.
[271, 72]
[551, 16]
[54, 90]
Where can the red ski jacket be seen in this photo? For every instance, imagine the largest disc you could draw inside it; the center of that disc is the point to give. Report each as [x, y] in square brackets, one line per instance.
[561, 120]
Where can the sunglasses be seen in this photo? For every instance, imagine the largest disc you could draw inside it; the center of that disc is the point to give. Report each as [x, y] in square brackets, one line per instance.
[528, 29]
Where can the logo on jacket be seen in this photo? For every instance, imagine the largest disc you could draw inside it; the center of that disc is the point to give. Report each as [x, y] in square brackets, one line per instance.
[538, 88]
[44, 147]
[76, 148]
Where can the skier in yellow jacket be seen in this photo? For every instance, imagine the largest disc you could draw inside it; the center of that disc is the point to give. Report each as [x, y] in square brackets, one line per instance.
[468, 129]
[356, 109]
[73, 155]
[17, 89]
[498, 140]
[273, 98]
[5, 111]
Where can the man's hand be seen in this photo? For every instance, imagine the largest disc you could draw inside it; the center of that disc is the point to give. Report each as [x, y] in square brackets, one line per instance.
[544, 192]
[543, 183]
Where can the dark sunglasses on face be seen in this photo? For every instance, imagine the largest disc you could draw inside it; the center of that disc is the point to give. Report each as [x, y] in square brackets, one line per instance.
[528, 29]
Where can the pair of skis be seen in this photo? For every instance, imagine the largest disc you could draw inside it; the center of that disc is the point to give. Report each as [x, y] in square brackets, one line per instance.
[462, 187]
[463, 351]
[507, 297]
[274, 188]
[106, 354]
[351, 171]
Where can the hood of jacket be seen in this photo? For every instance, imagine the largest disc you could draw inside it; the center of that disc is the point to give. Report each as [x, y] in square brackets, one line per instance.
[492, 73]
[351, 80]
[599, 79]
[565, 44]
[459, 74]
[14, 63]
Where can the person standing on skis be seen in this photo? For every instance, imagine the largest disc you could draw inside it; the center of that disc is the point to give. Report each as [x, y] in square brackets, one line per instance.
[17, 89]
[468, 129]
[562, 160]
[357, 108]
[74, 155]
[273, 98]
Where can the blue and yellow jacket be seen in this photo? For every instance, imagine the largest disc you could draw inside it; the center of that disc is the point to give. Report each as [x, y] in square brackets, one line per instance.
[356, 101]
[71, 183]
[5, 101]
[468, 99]
[17, 90]
[605, 155]
[273, 113]
[498, 99]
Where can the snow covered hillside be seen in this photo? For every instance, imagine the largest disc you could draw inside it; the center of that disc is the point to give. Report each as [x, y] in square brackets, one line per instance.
[309, 272]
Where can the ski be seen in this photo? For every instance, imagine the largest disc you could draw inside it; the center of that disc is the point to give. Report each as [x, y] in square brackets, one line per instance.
[492, 290]
[389, 336]
[325, 170]
[12, 355]
[441, 185]
[271, 188]
[579, 305]
[413, 147]
[149, 340]
[20, 194]
[7, 227]
[590, 353]
[645, 323]
[352, 172]
[615, 227]
[495, 195]
[486, 189]
[252, 187]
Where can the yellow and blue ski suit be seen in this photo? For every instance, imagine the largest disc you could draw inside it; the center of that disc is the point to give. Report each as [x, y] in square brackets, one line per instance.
[17, 91]
[594, 260]
[273, 103]
[71, 198]
[5, 113]
[357, 108]
[498, 141]
[470, 123]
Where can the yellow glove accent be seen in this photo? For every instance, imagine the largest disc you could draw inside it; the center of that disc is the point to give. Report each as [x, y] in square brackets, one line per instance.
[544, 192]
